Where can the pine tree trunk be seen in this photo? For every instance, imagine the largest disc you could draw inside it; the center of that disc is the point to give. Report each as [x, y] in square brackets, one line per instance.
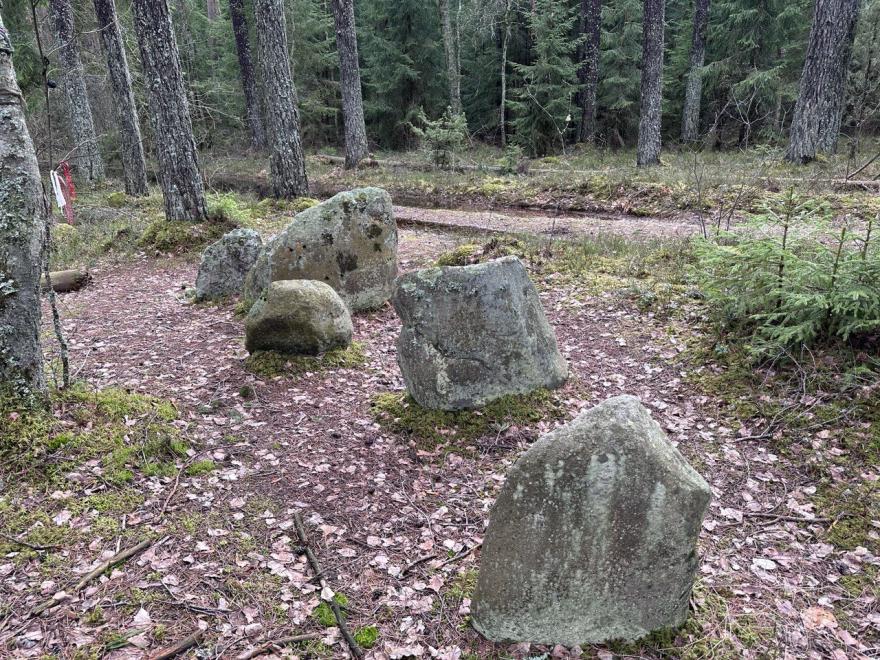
[246, 70]
[648, 150]
[504, 44]
[356, 147]
[588, 74]
[819, 108]
[453, 74]
[178, 159]
[693, 91]
[134, 167]
[212, 9]
[287, 162]
[23, 212]
[86, 157]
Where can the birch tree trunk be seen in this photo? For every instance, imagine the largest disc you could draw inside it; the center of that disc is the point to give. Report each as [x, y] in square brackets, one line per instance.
[246, 71]
[22, 226]
[86, 158]
[588, 74]
[356, 147]
[178, 159]
[648, 150]
[134, 167]
[450, 45]
[286, 162]
[693, 91]
[819, 109]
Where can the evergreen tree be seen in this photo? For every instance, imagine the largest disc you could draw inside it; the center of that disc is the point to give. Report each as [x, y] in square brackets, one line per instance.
[690, 125]
[350, 76]
[621, 39]
[544, 99]
[404, 67]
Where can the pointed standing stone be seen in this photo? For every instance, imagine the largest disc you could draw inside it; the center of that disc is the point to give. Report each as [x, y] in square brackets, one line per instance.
[594, 535]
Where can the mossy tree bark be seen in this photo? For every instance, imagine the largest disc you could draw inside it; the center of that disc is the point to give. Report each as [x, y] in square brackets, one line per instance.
[648, 150]
[176, 153]
[85, 156]
[287, 163]
[588, 74]
[356, 147]
[22, 225]
[246, 71]
[818, 112]
[134, 167]
[693, 91]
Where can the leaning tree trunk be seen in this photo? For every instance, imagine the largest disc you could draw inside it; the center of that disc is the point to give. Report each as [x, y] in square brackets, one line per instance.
[693, 91]
[22, 225]
[356, 147]
[134, 167]
[648, 150]
[588, 73]
[86, 157]
[246, 70]
[819, 108]
[178, 159]
[453, 75]
[287, 163]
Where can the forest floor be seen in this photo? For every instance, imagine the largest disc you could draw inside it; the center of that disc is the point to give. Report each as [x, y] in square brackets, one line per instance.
[394, 500]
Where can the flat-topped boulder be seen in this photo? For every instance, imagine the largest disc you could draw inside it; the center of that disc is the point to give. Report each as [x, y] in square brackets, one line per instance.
[226, 263]
[594, 535]
[348, 242]
[473, 334]
[298, 317]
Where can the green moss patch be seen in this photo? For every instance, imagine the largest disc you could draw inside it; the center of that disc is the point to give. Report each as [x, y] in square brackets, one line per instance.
[472, 253]
[323, 613]
[366, 637]
[174, 236]
[400, 414]
[269, 364]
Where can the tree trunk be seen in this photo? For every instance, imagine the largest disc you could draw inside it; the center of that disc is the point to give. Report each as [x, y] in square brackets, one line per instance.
[134, 167]
[23, 212]
[246, 69]
[453, 74]
[693, 91]
[504, 44]
[648, 150]
[356, 147]
[212, 9]
[819, 108]
[178, 159]
[588, 74]
[86, 157]
[287, 162]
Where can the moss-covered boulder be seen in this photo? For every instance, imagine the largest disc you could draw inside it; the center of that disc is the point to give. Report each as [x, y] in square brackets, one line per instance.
[226, 263]
[298, 317]
[348, 242]
[594, 535]
[473, 334]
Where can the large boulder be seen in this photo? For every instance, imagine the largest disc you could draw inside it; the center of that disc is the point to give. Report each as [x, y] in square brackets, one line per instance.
[302, 317]
[473, 334]
[593, 537]
[348, 242]
[226, 263]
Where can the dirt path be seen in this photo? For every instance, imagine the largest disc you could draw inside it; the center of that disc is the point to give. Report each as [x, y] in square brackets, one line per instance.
[396, 528]
[570, 226]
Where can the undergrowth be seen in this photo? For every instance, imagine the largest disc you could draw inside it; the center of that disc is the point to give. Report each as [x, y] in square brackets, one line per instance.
[398, 413]
[269, 364]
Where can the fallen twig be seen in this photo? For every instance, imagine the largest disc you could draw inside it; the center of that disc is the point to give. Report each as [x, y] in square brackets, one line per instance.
[176, 484]
[271, 644]
[460, 555]
[356, 650]
[25, 544]
[412, 565]
[180, 647]
[118, 558]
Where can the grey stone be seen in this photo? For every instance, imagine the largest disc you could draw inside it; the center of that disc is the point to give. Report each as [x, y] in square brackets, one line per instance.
[348, 242]
[593, 537]
[303, 317]
[473, 334]
[225, 264]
